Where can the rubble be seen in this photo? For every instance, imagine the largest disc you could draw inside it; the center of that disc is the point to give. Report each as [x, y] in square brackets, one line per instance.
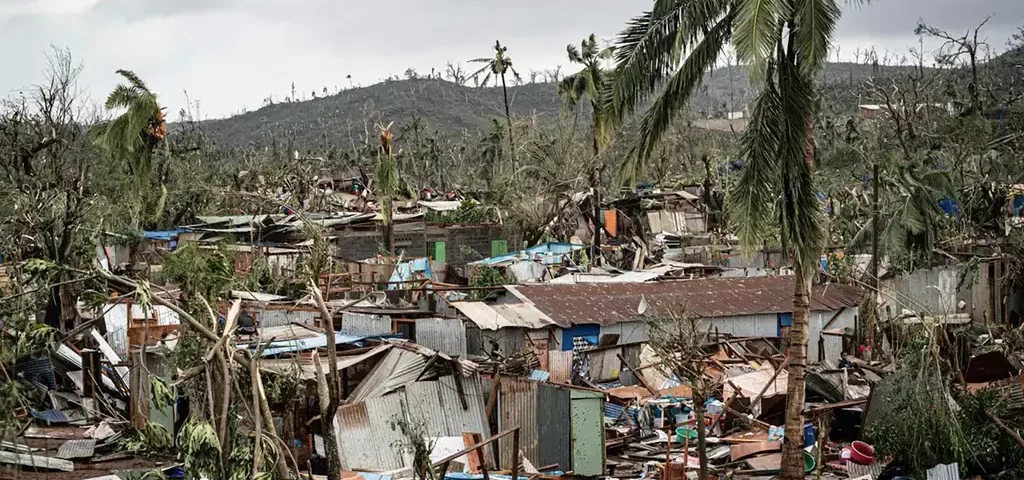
[557, 356]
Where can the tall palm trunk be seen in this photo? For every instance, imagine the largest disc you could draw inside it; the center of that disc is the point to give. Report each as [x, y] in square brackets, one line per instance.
[595, 187]
[508, 119]
[702, 441]
[792, 449]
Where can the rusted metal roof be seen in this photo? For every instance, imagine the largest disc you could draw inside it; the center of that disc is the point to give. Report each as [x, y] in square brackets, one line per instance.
[610, 303]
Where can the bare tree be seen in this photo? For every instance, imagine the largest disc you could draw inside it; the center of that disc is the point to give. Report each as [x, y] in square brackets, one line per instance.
[682, 344]
[46, 159]
[455, 73]
[965, 50]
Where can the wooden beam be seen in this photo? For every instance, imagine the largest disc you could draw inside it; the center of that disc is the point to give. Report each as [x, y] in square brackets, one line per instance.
[639, 377]
[474, 447]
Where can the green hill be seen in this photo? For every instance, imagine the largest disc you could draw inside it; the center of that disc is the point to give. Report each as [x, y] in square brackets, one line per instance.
[456, 109]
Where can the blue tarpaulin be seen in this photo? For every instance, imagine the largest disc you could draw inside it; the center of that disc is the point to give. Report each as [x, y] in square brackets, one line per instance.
[950, 206]
[405, 273]
[550, 253]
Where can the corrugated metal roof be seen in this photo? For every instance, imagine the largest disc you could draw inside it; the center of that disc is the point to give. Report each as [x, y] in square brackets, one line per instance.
[609, 303]
[79, 448]
[497, 316]
[398, 368]
[38, 370]
[51, 417]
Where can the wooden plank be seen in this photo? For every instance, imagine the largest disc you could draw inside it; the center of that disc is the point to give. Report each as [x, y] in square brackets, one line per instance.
[472, 438]
[36, 461]
[742, 451]
[766, 463]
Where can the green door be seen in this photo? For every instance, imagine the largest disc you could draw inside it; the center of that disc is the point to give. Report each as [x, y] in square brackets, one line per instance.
[440, 254]
[587, 433]
[499, 247]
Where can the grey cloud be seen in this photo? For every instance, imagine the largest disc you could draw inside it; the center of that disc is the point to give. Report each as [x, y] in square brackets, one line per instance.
[136, 10]
[231, 54]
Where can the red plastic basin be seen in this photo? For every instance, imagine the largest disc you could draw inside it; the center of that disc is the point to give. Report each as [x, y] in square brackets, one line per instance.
[862, 453]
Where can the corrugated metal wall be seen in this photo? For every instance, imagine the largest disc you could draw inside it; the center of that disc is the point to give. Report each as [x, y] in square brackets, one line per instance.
[605, 365]
[275, 317]
[366, 439]
[369, 325]
[932, 291]
[508, 340]
[447, 335]
[517, 407]
[554, 426]
[746, 325]
[560, 366]
[833, 344]
[628, 332]
[115, 318]
[768, 326]
[437, 404]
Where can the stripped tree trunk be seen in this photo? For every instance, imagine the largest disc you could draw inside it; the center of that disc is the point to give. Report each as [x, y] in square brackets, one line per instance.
[792, 449]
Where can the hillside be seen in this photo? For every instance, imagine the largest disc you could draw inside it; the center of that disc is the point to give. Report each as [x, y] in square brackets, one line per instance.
[452, 108]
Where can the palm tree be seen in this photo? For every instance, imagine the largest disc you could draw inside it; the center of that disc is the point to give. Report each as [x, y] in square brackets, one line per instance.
[386, 185]
[498, 66]
[591, 81]
[785, 43]
[134, 134]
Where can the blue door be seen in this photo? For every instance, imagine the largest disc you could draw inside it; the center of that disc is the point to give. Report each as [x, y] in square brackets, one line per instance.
[589, 333]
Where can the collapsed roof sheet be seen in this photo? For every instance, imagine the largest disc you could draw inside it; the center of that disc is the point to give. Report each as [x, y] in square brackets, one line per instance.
[494, 317]
[307, 368]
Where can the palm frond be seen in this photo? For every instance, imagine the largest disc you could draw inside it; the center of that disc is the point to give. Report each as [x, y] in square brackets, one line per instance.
[675, 98]
[816, 21]
[571, 89]
[749, 202]
[589, 47]
[758, 28]
[574, 53]
[650, 47]
[643, 58]
[122, 96]
[801, 207]
[133, 79]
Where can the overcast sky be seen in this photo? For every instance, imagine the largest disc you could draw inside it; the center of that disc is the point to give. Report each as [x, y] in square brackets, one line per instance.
[231, 54]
